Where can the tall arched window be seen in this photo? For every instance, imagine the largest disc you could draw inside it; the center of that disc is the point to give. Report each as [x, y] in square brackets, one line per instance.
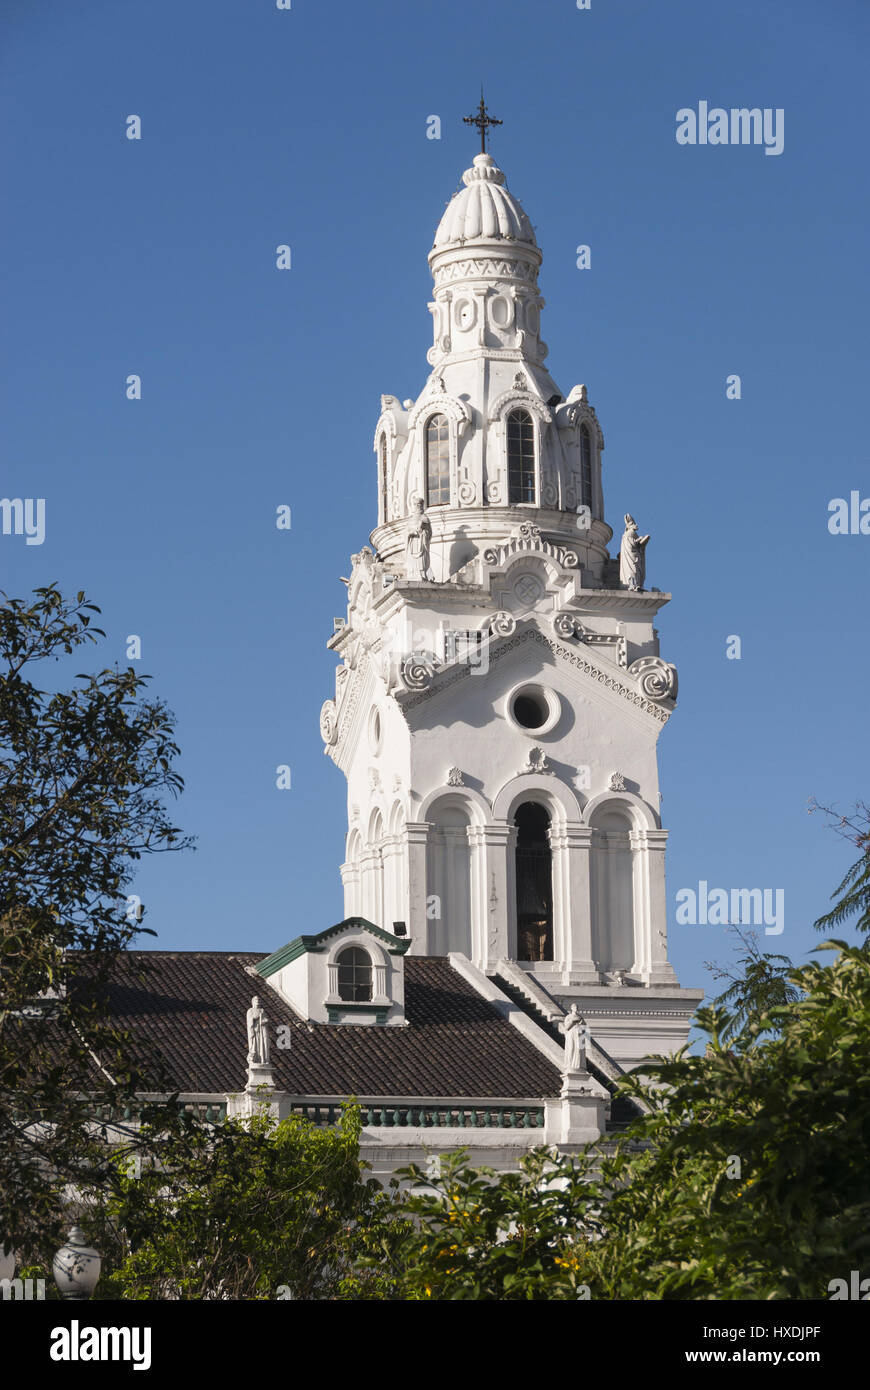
[354, 975]
[520, 457]
[585, 466]
[437, 461]
[534, 883]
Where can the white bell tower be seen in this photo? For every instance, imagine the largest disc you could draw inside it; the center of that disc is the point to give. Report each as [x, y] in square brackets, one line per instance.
[501, 691]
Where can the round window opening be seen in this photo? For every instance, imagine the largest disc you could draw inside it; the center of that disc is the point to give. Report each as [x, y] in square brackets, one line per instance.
[535, 709]
[375, 731]
[530, 711]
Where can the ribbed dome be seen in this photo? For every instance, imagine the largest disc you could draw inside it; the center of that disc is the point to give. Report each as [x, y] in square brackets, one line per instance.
[483, 209]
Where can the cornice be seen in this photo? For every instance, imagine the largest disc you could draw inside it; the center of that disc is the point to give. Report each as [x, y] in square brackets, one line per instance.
[442, 680]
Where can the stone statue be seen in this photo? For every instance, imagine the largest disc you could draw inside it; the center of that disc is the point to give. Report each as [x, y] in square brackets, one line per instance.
[418, 544]
[258, 1037]
[576, 1032]
[632, 556]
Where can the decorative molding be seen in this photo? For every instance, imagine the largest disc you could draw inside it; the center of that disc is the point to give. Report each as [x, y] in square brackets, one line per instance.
[328, 722]
[565, 624]
[454, 777]
[573, 658]
[417, 670]
[605, 639]
[526, 538]
[617, 782]
[537, 761]
[485, 268]
[501, 624]
[467, 493]
[519, 396]
[576, 411]
[457, 411]
[657, 678]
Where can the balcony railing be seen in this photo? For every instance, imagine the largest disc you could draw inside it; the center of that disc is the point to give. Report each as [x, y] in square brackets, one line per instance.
[434, 1115]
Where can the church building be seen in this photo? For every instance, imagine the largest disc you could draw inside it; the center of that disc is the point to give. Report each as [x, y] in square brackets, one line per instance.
[498, 698]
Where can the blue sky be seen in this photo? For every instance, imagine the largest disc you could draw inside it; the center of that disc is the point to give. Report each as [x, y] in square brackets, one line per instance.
[259, 387]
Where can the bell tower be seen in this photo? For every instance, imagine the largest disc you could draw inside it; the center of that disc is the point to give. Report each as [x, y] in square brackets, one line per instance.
[501, 691]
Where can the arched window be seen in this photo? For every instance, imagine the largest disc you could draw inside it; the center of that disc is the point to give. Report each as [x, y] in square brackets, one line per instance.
[437, 461]
[534, 883]
[354, 975]
[520, 457]
[585, 466]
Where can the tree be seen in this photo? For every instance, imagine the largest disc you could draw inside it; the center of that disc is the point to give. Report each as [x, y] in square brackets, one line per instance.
[84, 773]
[759, 983]
[854, 888]
[746, 1178]
[251, 1210]
[471, 1234]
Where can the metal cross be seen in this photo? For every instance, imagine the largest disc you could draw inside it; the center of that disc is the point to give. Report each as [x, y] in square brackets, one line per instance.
[482, 120]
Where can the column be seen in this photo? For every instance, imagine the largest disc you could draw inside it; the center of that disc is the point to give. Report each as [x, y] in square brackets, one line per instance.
[350, 880]
[651, 916]
[371, 876]
[416, 836]
[572, 903]
[493, 893]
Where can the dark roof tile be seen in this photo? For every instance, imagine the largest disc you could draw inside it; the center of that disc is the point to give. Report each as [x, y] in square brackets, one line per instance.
[191, 1008]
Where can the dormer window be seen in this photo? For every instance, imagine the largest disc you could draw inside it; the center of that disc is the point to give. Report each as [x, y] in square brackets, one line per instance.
[585, 466]
[354, 975]
[437, 462]
[520, 457]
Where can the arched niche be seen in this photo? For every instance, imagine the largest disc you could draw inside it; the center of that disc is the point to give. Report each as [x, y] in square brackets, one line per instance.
[448, 877]
[613, 891]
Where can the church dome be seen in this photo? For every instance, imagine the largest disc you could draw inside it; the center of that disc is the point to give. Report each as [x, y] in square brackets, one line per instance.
[483, 210]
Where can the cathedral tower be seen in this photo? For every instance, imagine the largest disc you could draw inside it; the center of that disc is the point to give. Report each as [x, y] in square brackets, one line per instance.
[501, 692]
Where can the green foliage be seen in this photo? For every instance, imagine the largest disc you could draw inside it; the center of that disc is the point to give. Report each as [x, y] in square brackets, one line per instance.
[83, 776]
[746, 1178]
[241, 1213]
[760, 983]
[473, 1234]
[852, 894]
[753, 1182]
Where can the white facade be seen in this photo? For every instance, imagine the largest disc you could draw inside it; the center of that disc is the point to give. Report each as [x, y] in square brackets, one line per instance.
[501, 693]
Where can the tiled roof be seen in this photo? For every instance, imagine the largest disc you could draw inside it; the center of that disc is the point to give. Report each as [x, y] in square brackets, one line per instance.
[192, 1005]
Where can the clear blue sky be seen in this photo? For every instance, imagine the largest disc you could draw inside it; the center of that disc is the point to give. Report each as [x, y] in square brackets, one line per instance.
[308, 127]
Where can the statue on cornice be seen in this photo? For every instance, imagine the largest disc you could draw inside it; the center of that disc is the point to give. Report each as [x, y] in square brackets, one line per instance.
[576, 1031]
[417, 544]
[632, 556]
[258, 1038]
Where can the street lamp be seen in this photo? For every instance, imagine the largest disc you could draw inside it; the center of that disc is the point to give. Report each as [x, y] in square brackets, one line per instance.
[76, 1267]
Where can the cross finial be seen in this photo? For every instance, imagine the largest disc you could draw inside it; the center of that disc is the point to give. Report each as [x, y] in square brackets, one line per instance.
[482, 120]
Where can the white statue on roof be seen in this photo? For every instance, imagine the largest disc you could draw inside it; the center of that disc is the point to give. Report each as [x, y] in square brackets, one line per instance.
[258, 1036]
[418, 544]
[576, 1031]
